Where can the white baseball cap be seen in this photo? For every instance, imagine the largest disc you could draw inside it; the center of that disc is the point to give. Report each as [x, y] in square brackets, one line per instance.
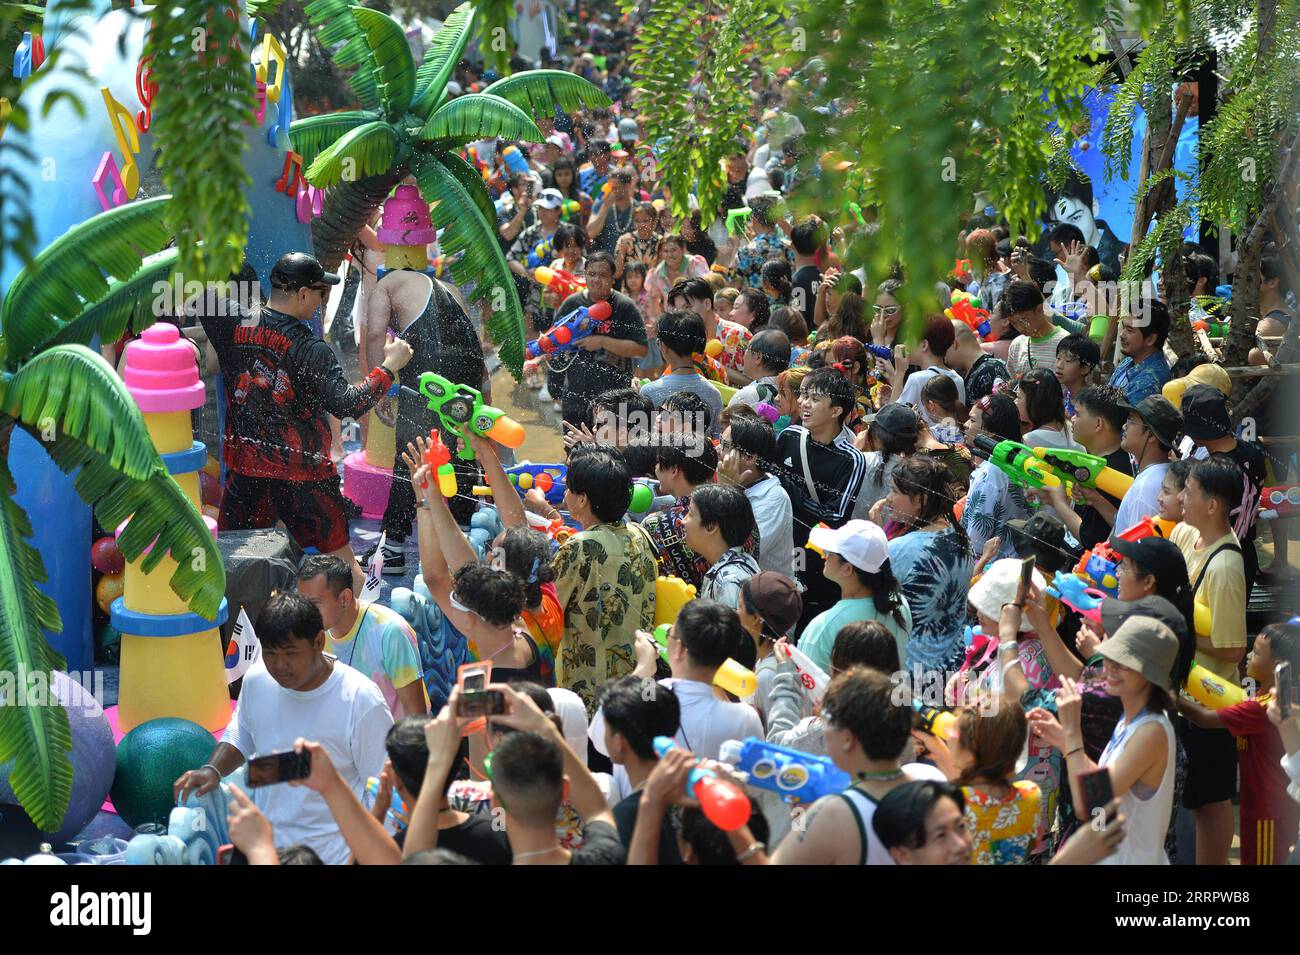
[551, 199]
[861, 543]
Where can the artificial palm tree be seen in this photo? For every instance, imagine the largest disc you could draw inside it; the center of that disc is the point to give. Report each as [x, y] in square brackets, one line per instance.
[91, 282]
[409, 125]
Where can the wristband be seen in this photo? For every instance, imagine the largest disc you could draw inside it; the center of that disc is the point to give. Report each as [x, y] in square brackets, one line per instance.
[1073, 751]
[752, 851]
[214, 769]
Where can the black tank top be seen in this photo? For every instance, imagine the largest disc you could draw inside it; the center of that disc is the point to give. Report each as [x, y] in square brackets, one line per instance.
[532, 673]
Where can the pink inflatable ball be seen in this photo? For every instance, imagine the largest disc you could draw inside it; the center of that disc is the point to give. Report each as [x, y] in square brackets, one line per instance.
[210, 489]
[105, 556]
[109, 588]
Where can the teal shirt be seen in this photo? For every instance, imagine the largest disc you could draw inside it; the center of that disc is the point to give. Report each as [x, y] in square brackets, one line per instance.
[819, 638]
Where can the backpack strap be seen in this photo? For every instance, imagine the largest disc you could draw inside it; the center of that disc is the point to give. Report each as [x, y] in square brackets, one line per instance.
[1206, 566]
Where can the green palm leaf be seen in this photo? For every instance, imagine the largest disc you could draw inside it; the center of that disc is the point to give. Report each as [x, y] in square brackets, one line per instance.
[35, 738]
[472, 183]
[480, 116]
[311, 134]
[263, 8]
[539, 92]
[71, 389]
[483, 262]
[336, 24]
[441, 58]
[131, 300]
[161, 517]
[391, 55]
[71, 271]
[372, 148]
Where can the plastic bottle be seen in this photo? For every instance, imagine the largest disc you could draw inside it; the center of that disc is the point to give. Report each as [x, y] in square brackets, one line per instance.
[723, 803]
[795, 776]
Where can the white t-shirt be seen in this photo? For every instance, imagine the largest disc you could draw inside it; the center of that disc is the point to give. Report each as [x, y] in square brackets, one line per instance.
[346, 714]
[1142, 499]
[911, 394]
[749, 395]
[707, 723]
[1047, 438]
[774, 516]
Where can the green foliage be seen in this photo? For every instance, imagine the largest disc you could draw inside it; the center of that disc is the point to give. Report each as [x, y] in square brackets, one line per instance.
[363, 150]
[495, 43]
[441, 58]
[481, 115]
[690, 64]
[205, 96]
[538, 92]
[311, 134]
[394, 67]
[70, 273]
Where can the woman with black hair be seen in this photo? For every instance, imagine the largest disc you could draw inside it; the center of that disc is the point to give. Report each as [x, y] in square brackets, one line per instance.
[1041, 404]
[931, 560]
[564, 174]
[777, 282]
[527, 558]
[993, 499]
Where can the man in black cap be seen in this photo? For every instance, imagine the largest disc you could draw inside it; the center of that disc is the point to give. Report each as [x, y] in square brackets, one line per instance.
[1153, 430]
[1207, 423]
[282, 384]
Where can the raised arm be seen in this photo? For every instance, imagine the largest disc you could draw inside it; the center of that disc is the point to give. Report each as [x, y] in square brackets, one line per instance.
[509, 507]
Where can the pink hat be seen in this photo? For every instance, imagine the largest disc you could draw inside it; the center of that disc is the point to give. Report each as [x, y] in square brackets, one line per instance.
[406, 219]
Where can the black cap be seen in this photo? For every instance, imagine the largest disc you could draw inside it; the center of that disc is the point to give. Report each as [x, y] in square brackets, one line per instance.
[1160, 416]
[899, 419]
[1041, 535]
[1115, 612]
[1205, 413]
[298, 270]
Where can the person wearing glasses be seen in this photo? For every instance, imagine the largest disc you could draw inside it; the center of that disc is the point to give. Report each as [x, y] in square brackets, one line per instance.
[612, 217]
[282, 384]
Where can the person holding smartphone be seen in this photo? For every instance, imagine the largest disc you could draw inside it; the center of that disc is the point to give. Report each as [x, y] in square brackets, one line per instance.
[294, 691]
[1268, 815]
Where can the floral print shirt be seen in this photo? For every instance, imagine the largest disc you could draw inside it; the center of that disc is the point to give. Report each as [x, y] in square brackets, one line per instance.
[605, 581]
[1003, 830]
[752, 255]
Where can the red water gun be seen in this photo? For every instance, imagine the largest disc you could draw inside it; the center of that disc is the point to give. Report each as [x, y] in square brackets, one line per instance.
[1280, 501]
[560, 281]
[438, 457]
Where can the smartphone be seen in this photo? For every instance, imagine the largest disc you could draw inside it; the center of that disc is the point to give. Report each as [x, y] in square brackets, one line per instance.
[474, 676]
[1026, 579]
[1283, 687]
[480, 703]
[279, 768]
[1097, 791]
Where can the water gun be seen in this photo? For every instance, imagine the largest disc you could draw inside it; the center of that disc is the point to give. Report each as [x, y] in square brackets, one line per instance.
[570, 208]
[560, 281]
[463, 412]
[883, 352]
[967, 308]
[548, 478]
[737, 219]
[569, 330]
[1074, 592]
[438, 457]
[1211, 690]
[736, 678]
[1281, 500]
[541, 254]
[932, 720]
[723, 803]
[557, 530]
[643, 495]
[797, 777]
[1016, 461]
[396, 810]
[813, 678]
[671, 595]
[514, 159]
[1224, 292]
[661, 637]
[855, 210]
[1087, 470]
[1213, 329]
[961, 269]
[1099, 569]
[774, 416]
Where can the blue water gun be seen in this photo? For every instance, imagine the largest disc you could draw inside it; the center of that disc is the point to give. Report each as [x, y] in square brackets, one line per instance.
[1074, 592]
[795, 776]
[883, 352]
[541, 254]
[570, 329]
[550, 479]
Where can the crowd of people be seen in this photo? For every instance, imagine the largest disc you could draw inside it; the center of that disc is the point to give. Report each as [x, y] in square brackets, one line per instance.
[833, 484]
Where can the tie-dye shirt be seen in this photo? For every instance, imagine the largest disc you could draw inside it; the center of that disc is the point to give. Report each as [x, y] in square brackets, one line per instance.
[383, 646]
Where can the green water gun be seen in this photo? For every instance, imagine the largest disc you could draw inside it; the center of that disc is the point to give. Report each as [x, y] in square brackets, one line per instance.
[1017, 461]
[737, 219]
[463, 412]
[1086, 470]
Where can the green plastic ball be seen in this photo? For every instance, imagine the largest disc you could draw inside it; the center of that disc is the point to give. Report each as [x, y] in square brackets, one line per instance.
[150, 759]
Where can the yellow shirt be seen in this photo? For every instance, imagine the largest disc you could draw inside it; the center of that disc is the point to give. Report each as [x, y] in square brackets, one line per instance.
[1223, 590]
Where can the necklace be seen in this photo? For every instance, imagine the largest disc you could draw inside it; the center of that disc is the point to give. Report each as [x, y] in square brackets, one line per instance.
[357, 638]
[501, 649]
[621, 225]
[538, 852]
[880, 776]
